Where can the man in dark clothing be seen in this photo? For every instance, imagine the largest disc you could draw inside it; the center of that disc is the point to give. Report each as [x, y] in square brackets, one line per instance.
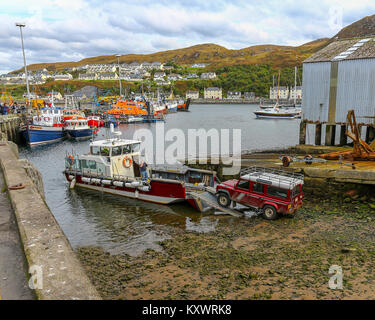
[143, 168]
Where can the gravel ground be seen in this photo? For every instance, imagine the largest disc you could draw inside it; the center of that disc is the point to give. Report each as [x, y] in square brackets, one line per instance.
[288, 258]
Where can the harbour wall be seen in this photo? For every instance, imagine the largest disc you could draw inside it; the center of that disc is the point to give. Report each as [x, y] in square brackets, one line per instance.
[55, 270]
[9, 127]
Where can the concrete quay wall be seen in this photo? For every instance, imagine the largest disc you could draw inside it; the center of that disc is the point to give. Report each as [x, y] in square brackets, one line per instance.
[55, 269]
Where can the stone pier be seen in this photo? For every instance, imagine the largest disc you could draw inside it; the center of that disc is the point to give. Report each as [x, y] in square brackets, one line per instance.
[53, 266]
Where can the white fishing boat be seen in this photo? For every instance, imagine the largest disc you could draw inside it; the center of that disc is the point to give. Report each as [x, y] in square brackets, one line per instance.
[279, 113]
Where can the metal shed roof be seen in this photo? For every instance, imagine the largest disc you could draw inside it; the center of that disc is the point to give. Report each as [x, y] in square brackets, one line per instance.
[347, 49]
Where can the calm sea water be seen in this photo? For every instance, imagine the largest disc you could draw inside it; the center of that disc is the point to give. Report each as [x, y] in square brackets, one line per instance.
[125, 225]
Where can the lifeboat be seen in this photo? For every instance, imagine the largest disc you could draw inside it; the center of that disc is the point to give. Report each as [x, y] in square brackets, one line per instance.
[128, 107]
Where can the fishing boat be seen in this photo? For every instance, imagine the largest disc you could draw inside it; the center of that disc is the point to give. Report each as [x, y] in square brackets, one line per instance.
[95, 121]
[73, 114]
[183, 106]
[171, 107]
[133, 119]
[278, 113]
[78, 129]
[45, 128]
[113, 166]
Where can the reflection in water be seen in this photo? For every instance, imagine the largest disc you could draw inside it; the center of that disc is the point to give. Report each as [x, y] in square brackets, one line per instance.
[127, 225]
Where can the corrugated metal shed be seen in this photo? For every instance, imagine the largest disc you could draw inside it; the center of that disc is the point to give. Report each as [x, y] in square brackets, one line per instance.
[315, 98]
[356, 89]
[338, 78]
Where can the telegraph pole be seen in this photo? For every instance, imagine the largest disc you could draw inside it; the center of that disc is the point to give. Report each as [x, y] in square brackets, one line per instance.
[22, 25]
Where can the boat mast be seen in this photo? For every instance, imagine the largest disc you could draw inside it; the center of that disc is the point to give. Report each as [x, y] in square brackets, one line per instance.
[295, 86]
[278, 87]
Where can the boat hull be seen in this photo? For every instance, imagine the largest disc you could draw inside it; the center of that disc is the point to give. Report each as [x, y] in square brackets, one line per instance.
[161, 192]
[83, 134]
[276, 116]
[42, 135]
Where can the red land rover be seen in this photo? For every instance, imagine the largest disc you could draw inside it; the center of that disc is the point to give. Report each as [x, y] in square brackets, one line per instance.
[271, 191]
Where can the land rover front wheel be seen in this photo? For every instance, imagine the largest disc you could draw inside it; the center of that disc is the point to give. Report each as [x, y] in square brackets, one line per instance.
[223, 199]
[269, 212]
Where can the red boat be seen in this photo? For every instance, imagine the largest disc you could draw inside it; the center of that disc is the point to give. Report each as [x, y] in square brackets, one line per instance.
[113, 166]
[95, 121]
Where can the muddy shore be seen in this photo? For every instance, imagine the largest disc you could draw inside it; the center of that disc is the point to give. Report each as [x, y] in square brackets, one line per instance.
[288, 258]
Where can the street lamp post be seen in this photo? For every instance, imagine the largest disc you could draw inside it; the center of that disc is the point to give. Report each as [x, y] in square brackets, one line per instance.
[119, 78]
[22, 25]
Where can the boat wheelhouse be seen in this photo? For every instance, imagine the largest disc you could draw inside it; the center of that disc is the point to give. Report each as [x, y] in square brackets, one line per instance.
[114, 166]
[78, 129]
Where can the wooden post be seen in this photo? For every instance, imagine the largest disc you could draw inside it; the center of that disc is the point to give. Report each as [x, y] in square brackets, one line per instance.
[343, 136]
[318, 134]
[302, 132]
[330, 134]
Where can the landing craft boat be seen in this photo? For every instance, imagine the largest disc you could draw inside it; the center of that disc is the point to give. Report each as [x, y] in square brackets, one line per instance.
[45, 128]
[113, 166]
[78, 129]
[183, 106]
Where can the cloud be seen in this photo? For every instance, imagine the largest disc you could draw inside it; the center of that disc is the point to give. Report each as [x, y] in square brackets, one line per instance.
[64, 30]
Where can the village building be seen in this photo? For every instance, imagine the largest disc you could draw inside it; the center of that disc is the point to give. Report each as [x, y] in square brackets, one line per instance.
[282, 91]
[192, 94]
[208, 75]
[159, 75]
[174, 77]
[62, 77]
[234, 95]
[213, 93]
[249, 95]
[87, 76]
[107, 76]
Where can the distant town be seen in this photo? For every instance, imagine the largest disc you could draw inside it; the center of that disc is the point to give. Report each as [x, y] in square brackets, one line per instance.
[160, 74]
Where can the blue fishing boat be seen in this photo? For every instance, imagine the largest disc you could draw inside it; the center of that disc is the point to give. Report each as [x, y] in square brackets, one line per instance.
[45, 128]
[78, 129]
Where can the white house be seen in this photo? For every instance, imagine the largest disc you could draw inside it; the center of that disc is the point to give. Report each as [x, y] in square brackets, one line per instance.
[62, 77]
[283, 93]
[159, 75]
[174, 77]
[192, 94]
[108, 76]
[87, 76]
[208, 75]
[296, 92]
[234, 95]
[213, 93]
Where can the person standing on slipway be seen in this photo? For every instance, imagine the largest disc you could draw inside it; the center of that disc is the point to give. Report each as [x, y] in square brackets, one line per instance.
[143, 168]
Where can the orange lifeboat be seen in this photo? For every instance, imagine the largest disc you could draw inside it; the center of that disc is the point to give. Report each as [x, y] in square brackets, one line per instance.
[128, 108]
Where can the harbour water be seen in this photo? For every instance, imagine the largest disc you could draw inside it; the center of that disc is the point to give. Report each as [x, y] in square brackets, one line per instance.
[122, 225]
